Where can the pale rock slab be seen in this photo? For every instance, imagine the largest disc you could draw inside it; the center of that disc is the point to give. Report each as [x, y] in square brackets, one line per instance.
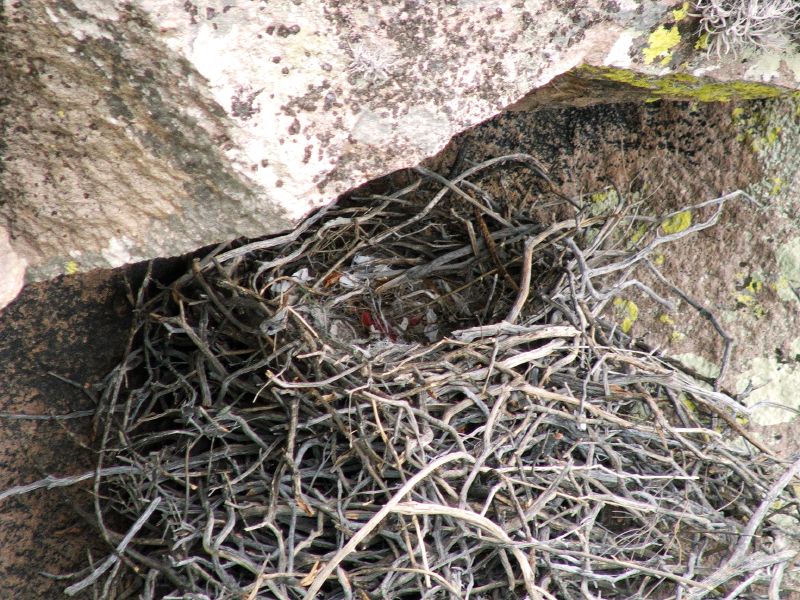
[12, 270]
[150, 128]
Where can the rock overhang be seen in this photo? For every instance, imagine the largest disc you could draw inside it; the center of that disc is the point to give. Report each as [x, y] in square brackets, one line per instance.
[157, 127]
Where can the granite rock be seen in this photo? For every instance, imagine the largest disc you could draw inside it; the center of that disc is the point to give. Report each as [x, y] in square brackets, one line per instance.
[149, 128]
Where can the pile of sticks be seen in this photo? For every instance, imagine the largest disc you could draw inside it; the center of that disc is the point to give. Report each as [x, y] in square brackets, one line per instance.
[423, 394]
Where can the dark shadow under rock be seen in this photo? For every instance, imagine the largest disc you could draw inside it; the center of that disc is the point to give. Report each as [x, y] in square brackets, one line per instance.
[76, 328]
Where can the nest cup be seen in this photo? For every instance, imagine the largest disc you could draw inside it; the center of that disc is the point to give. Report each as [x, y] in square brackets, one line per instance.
[422, 394]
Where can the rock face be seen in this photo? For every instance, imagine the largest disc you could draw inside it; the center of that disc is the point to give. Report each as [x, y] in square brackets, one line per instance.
[12, 267]
[149, 128]
[66, 329]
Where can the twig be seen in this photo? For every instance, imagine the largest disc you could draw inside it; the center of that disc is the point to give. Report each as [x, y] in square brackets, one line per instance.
[733, 563]
[285, 402]
[120, 549]
[525, 284]
[387, 508]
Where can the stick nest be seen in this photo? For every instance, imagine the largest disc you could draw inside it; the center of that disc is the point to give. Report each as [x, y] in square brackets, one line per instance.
[423, 395]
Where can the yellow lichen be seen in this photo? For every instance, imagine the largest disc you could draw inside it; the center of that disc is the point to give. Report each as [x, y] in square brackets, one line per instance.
[773, 135]
[659, 260]
[598, 197]
[702, 42]
[679, 14]
[665, 319]
[637, 235]
[629, 312]
[754, 286]
[684, 86]
[756, 130]
[603, 203]
[677, 222]
[750, 287]
[783, 288]
[71, 267]
[660, 45]
[754, 307]
[745, 299]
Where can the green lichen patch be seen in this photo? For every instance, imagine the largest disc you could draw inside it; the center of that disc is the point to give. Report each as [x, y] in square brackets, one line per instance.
[682, 86]
[770, 129]
[701, 365]
[677, 222]
[603, 203]
[774, 385]
[660, 44]
[627, 311]
[783, 288]
[788, 258]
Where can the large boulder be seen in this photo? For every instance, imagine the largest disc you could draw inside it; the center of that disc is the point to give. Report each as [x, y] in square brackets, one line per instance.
[149, 128]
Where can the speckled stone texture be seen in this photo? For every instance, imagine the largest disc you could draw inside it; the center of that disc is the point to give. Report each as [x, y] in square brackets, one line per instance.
[74, 327]
[148, 128]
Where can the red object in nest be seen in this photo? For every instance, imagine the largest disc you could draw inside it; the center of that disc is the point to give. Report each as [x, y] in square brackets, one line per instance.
[366, 318]
[369, 322]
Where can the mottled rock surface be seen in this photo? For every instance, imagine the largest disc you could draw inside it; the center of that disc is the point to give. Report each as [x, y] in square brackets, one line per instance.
[71, 327]
[74, 328]
[143, 129]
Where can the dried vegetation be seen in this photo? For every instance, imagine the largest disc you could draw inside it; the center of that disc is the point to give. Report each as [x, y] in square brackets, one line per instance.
[420, 394]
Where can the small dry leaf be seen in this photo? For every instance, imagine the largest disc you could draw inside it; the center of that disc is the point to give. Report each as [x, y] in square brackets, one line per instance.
[304, 507]
[309, 579]
[332, 279]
